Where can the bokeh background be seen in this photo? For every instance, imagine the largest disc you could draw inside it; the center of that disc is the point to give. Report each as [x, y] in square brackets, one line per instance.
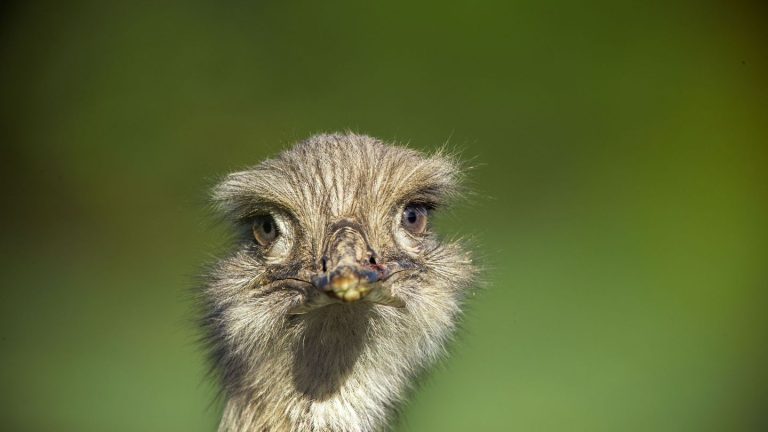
[619, 152]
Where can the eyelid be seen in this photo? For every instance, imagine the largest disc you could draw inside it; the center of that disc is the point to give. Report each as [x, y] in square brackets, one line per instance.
[427, 209]
[428, 205]
[429, 197]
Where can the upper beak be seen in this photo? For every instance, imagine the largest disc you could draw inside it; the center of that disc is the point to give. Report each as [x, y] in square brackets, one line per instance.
[349, 267]
[351, 271]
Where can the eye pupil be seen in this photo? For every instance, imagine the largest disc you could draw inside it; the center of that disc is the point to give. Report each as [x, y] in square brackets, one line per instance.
[267, 227]
[412, 217]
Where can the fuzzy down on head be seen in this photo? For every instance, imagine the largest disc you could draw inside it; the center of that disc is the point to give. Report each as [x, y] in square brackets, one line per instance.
[338, 294]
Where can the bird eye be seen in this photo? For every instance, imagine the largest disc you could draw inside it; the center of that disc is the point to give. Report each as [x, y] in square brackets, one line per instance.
[264, 230]
[415, 219]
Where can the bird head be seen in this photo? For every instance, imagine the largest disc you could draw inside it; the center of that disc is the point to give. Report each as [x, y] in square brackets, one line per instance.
[336, 265]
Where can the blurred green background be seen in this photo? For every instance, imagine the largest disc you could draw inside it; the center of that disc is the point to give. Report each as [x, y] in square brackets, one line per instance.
[620, 208]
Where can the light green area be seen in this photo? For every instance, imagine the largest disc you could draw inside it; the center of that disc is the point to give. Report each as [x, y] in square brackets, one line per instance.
[620, 157]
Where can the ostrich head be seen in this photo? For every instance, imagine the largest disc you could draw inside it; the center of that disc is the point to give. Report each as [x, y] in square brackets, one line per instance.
[338, 293]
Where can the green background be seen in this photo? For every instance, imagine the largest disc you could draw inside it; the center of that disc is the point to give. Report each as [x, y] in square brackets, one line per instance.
[620, 154]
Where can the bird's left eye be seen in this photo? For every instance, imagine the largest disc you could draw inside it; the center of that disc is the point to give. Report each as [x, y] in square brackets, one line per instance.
[414, 219]
[264, 230]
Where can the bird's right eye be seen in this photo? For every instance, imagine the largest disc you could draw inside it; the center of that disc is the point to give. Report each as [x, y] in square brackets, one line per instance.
[264, 230]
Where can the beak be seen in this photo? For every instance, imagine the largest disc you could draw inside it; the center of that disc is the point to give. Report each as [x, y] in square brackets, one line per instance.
[351, 270]
[350, 284]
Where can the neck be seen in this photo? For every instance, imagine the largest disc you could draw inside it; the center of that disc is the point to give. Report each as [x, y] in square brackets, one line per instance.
[340, 368]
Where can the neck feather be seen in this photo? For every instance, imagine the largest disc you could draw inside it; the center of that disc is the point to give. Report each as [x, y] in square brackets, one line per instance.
[340, 368]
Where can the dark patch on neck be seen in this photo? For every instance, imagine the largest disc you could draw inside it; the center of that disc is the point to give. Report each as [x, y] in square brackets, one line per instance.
[328, 352]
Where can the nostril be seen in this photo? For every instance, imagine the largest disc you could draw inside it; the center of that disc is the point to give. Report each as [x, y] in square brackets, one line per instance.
[372, 260]
[325, 265]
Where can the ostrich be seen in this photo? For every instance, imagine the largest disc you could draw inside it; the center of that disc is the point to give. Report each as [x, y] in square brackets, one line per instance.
[338, 294]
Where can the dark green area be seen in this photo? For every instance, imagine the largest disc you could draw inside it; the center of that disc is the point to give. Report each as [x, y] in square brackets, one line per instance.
[620, 208]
